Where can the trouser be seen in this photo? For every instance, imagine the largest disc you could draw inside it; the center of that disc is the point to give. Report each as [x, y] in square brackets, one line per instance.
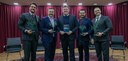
[68, 43]
[30, 47]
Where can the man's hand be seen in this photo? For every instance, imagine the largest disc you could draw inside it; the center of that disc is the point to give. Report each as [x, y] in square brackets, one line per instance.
[100, 34]
[69, 33]
[92, 41]
[50, 31]
[84, 34]
[29, 31]
[62, 32]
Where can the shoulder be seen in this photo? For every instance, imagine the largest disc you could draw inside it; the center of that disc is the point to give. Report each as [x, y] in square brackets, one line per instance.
[72, 15]
[87, 19]
[55, 19]
[46, 17]
[106, 17]
[61, 16]
[93, 20]
[24, 14]
[43, 19]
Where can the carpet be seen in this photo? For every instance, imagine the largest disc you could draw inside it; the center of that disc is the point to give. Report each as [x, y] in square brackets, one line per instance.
[59, 57]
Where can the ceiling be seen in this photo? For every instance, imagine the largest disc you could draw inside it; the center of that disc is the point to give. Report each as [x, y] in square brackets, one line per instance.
[60, 2]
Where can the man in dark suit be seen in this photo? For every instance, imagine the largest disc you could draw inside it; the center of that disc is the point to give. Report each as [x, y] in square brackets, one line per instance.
[102, 28]
[67, 27]
[84, 33]
[28, 25]
[48, 27]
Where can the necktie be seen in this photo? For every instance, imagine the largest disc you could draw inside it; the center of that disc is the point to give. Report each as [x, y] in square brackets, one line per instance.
[97, 19]
[96, 23]
[33, 16]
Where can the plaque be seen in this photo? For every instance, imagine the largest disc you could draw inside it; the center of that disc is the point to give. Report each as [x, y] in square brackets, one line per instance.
[66, 28]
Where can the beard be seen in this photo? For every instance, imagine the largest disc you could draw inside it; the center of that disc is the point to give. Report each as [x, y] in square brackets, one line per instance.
[98, 13]
[32, 11]
[50, 15]
[82, 16]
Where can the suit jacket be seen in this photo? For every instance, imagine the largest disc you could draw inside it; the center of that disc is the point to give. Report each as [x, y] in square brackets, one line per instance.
[103, 25]
[24, 23]
[73, 25]
[45, 25]
[87, 28]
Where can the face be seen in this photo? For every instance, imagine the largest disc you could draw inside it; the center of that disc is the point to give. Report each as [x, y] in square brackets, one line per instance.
[82, 14]
[51, 12]
[97, 11]
[32, 8]
[65, 10]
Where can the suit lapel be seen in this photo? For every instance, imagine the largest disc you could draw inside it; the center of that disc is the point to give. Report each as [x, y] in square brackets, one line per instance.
[100, 18]
[49, 22]
[94, 21]
[70, 20]
[37, 18]
[54, 22]
[95, 24]
[61, 20]
[30, 16]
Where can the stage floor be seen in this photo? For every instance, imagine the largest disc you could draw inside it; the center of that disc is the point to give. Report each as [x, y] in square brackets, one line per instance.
[59, 56]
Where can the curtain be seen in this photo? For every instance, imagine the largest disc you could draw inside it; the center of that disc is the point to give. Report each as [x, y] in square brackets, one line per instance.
[9, 16]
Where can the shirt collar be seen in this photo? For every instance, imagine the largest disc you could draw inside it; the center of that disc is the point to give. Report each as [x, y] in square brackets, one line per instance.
[31, 13]
[99, 16]
[65, 15]
[50, 17]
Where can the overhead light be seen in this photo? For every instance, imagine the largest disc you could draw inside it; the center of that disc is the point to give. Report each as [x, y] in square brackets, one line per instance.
[95, 4]
[49, 4]
[80, 4]
[109, 4]
[124, 3]
[64, 4]
[16, 3]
